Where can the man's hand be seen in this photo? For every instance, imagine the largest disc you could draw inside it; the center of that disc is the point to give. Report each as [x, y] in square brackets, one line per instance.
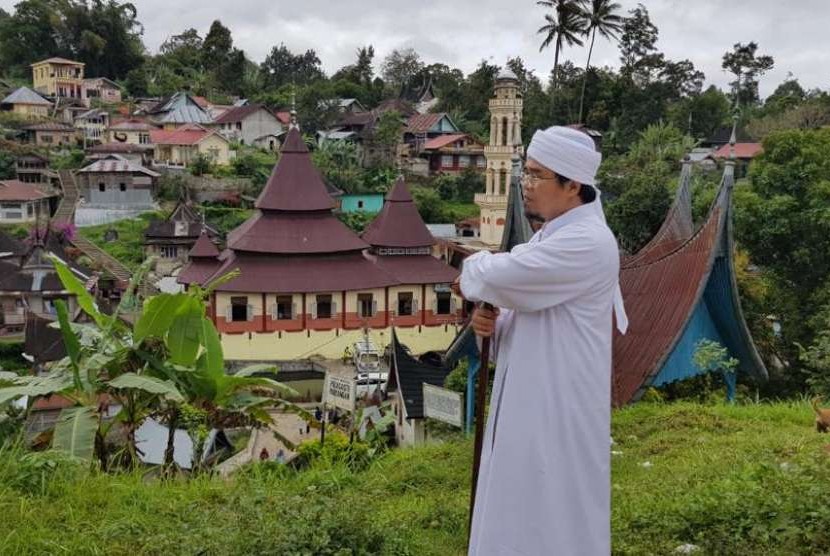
[456, 287]
[484, 321]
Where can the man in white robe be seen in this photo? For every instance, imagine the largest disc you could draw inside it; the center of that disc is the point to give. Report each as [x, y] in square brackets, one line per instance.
[544, 481]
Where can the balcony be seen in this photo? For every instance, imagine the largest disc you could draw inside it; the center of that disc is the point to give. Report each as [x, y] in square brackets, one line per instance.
[485, 199]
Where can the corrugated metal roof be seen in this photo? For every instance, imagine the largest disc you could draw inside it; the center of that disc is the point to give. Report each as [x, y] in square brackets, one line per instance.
[117, 165]
[25, 95]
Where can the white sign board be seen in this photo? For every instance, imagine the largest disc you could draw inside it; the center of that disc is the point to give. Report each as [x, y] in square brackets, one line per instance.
[443, 405]
[339, 392]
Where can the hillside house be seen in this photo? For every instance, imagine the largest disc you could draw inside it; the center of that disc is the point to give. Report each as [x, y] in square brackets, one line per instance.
[180, 147]
[27, 104]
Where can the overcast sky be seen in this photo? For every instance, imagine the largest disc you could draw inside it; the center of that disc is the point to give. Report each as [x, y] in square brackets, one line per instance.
[462, 32]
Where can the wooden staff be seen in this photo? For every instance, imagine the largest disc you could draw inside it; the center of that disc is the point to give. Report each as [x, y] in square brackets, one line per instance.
[481, 400]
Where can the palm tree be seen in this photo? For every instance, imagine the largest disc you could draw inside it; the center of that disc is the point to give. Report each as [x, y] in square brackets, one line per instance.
[563, 28]
[603, 19]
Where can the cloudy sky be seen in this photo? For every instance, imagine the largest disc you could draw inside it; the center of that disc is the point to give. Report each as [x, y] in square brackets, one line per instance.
[462, 32]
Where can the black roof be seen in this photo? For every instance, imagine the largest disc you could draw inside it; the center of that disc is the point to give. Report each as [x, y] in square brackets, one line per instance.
[42, 342]
[409, 375]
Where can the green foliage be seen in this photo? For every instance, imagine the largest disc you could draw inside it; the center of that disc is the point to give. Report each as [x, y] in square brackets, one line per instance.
[225, 219]
[129, 248]
[356, 221]
[106, 35]
[710, 357]
[7, 171]
[637, 184]
[713, 470]
[460, 188]
[336, 449]
[70, 160]
[200, 165]
[434, 210]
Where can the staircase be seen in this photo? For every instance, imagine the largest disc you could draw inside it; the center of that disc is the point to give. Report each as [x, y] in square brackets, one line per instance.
[66, 215]
[66, 209]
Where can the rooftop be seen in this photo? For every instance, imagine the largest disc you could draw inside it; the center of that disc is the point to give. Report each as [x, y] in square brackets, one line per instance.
[15, 190]
[25, 95]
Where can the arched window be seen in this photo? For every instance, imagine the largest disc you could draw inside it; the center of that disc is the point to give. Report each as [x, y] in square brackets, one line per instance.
[504, 131]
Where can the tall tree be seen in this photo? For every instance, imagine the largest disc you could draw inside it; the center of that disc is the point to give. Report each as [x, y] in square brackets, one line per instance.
[217, 46]
[746, 65]
[563, 28]
[638, 46]
[603, 18]
[400, 67]
[283, 67]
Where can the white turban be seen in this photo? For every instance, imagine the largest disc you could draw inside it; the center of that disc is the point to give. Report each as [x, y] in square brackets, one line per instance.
[566, 151]
[572, 154]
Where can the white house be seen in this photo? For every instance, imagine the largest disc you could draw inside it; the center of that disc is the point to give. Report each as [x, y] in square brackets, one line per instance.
[251, 124]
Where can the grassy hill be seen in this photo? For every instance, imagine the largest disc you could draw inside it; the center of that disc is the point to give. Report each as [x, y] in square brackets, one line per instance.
[749, 479]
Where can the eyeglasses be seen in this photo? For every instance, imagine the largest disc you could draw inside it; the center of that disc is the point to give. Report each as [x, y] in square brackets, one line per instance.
[529, 179]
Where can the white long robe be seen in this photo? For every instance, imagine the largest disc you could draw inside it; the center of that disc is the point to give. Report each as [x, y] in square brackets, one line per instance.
[544, 485]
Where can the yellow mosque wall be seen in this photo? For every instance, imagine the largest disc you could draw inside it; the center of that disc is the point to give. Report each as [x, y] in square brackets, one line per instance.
[329, 344]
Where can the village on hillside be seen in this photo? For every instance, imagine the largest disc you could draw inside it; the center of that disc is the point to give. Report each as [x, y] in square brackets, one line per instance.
[213, 267]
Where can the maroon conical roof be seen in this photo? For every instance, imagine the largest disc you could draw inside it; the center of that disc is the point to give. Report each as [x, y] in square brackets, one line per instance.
[295, 184]
[204, 248]
[398, 224]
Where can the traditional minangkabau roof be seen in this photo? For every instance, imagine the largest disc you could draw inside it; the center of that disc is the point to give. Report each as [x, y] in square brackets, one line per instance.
[398, 224]
[679, 289]
[42, 342]
[408, 375]
[25, 95]
[677, 227]
[676, 298]
[184, 223]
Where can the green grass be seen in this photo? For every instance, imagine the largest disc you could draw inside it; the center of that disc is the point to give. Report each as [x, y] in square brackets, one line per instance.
[750, 479]
[129, 248]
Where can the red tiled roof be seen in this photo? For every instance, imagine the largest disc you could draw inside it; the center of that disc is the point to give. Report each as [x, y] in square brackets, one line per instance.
[295, 184]
[15, 190]
[283, 117]
[201, 101]
[444, 140]
[742, 150]
[189, 134]
[398, 224]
